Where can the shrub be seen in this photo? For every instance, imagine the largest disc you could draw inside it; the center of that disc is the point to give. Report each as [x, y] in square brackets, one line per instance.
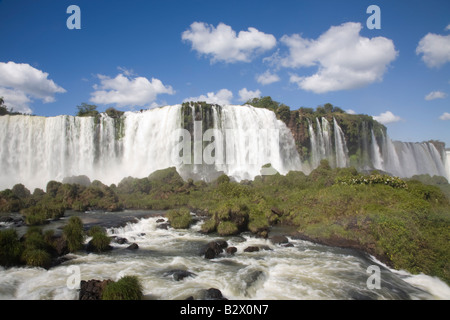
[74, 234]
[37, 258]
[373, 179]
[209, 226]
[10, 248]
[179, 218]
[127, 288]
[100, 242]
[227, 228]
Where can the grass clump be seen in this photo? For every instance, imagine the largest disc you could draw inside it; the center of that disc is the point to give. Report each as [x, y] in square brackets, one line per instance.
[126, 288]
[10, 248]
[227, 228]
[179, 218]
[100, 241]
[74, 234]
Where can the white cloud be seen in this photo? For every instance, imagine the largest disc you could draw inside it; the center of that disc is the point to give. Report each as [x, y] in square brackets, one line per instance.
[350, 111]
[20, 82]
[267, 78]
[344, 58]
[222, 97]
[15, 100]
[387, 117]
[435, 49]
[445, 116]
[222, 44]
[125, 91]
[447, 28]
[435, 95]
[245, 95]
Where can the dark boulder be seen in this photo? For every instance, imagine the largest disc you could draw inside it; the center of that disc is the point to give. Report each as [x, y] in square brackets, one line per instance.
[160, 220]
[133, 246]
[163, 226]
[212, 294]
[119, 240]
[6, 219]
[60, 245]
[231, 250]
[92, 289]
[279, 239]
[179, 275]
[214, 248]
[251, 249]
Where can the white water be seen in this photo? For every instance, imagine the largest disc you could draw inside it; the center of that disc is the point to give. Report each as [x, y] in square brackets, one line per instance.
[340, 146]
[406, 159]
[304, 271]
[447, 164]
[322, 146]
[377, 159]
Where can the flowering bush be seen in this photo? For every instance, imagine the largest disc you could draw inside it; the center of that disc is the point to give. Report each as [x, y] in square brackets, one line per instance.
[372, 179]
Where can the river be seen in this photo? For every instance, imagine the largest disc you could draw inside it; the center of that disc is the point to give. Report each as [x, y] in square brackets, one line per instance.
[301, 271]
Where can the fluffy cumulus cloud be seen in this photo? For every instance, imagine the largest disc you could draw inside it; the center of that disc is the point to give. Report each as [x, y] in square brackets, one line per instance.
[221, 97]
[245, 95]
[267, 78]
[125, 91]
[20, 83]
[445, 116]
[344, 59]
[221, 43]
[435, 95]
[435, 50]
[387, 117]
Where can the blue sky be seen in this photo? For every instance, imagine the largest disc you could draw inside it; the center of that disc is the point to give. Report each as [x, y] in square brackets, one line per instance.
[139, 54]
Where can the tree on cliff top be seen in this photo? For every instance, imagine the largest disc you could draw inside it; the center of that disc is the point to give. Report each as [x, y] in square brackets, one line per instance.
[87, 110]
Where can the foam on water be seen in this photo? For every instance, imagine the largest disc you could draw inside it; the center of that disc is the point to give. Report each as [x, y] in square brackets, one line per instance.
[304, 271]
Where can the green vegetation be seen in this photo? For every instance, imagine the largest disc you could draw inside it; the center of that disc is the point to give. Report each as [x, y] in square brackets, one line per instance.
[126, 288]
[10, 248]
[34, 249]
[87, 110]
[100, 241]
[74, 234]
[179, 218]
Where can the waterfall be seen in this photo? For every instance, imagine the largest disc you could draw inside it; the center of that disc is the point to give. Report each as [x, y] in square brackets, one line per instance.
[235, 140]
[342, 160]
[447, 164]
[405, 159]
[377, 159]
[322, 146]
[35, 150]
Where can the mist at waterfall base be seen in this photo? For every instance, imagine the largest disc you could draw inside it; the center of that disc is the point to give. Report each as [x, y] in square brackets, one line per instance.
[35, 150]
[301, 271]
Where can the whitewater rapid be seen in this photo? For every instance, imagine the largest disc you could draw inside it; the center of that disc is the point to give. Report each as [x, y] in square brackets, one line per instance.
[303, 271]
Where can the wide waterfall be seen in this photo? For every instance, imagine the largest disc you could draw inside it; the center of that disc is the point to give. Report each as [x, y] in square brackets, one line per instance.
[201, 141]
[35, 150]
